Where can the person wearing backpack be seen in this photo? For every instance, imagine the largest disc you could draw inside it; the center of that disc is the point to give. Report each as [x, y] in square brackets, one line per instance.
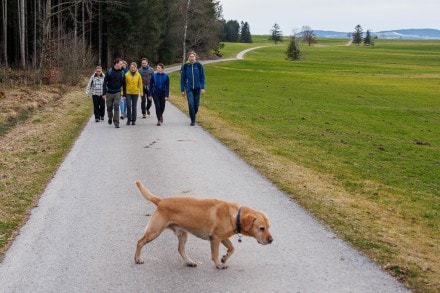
[132, 91]
[95, 84]
[146, 72]
[113, 82]
[123, 103]
[192, 83]
[159, 90]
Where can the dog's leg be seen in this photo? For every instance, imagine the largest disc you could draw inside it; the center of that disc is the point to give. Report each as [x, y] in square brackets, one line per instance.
[156, 225]
[182, 236]
[228, 244]
[215, 244]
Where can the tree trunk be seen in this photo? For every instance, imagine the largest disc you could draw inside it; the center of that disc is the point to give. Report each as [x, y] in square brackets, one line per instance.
[99, 34]
[185, 30]
[5, 31]
[46, 20]
[34, 51]
[22, 32]
[75, 30]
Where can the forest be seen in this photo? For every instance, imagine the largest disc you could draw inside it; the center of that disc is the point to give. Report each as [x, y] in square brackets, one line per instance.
[55, 38]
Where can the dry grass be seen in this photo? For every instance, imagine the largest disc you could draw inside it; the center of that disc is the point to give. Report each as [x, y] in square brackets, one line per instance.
[32, 145]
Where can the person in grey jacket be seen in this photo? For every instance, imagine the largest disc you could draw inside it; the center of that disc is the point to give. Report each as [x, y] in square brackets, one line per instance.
[146, 72]
[192, 83]
[95, 84]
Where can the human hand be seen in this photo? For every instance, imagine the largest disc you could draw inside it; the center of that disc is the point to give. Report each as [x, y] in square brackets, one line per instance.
[183, 94]
[202, 91]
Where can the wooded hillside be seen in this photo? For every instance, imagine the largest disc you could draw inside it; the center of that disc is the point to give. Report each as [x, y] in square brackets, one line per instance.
[54, 35]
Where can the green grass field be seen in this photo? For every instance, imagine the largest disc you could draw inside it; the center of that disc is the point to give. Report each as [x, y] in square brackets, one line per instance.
[366, 120]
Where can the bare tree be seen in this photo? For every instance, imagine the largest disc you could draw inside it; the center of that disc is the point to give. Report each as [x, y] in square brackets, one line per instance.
[308, 35]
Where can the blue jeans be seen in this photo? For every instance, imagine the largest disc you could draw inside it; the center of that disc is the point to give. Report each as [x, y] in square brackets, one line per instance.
[193, 97]
[131, 102]
[123, 107]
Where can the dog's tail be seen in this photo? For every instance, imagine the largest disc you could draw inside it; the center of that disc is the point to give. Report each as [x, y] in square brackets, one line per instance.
[147, 194]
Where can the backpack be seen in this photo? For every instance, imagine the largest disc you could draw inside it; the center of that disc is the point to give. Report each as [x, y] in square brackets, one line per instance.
[110, 71]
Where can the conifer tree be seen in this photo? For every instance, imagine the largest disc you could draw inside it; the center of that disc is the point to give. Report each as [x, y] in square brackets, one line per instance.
[293, 50]
[276, 34]
[245, 33]
[368, 40]
[357, 34]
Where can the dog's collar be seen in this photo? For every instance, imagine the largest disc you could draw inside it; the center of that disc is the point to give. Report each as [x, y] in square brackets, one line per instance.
[238, 224]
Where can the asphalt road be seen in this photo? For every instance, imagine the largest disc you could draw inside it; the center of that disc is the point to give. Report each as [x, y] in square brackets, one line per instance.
[83, 234]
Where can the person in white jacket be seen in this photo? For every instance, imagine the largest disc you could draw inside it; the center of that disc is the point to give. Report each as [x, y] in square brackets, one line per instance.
[95, 84]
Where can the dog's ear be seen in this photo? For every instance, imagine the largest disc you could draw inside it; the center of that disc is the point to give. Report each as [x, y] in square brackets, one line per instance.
[248, 221]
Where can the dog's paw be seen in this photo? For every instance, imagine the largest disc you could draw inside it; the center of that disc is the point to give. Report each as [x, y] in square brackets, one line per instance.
[221, 266]
[139, 261]
[191, 264]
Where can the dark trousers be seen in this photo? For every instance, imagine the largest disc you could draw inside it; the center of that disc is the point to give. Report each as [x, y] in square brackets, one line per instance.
[98, 106]
[145, 103]
[159, 104]
[193, 97]
[131, 107]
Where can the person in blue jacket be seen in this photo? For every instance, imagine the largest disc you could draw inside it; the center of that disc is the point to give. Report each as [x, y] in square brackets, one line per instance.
[192, 83]
[159, 90]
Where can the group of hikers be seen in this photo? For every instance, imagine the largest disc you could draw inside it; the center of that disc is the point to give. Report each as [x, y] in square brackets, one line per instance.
[119, 89]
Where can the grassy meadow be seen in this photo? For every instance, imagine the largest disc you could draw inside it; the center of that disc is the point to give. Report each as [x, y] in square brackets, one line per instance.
[352, 133]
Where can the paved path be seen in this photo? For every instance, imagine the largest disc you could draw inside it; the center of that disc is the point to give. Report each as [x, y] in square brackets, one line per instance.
[82, 235]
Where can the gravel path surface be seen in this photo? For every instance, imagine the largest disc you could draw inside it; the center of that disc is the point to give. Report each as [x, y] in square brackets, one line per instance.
[83, 234]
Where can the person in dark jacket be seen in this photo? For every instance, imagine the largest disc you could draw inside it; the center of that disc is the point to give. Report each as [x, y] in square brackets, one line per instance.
[192, 83]
[159, 90]
[113, 82]
[146, 72]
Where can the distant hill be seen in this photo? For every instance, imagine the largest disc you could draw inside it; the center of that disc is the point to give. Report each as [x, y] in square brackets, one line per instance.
[409, 34]
[415, 34]
[331, 34]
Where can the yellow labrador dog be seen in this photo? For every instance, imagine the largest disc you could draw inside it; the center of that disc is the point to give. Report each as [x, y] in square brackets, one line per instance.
[210, 219]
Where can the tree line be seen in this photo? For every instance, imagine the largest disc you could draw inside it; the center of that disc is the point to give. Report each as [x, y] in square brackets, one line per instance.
[51, 36]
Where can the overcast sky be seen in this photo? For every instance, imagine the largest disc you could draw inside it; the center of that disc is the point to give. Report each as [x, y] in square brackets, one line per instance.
[340, 15]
